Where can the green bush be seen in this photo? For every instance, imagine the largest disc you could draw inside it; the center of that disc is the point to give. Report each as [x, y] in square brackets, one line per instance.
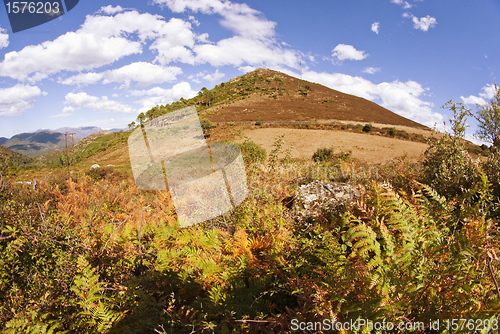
[259, 121]
[491, 168]
[367, 128]
[448, 168]
[323, 154]
[327, 154]
[393, 132]
[252, 153]
[206, 124]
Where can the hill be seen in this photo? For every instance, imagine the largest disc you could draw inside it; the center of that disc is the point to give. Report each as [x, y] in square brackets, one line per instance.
[9, 158]
[44, 141]
[273, 96]
[33, 144]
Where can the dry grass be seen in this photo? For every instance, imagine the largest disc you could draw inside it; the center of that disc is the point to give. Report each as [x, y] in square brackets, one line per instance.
[365, 147]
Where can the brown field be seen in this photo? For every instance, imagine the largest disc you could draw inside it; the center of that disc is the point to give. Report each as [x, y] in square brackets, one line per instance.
[365, 147]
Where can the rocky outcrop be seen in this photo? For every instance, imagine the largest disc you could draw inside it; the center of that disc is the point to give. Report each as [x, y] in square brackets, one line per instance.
[313, 199]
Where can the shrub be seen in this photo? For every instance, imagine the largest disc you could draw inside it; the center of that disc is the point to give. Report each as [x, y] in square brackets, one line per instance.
[230, 123]
[367, 128]
[259, 121]
[252, 152]
[323, 154]
[491, 168]
[404, 134]
[448, 168]
[327, 154]
[206, 124]
[393, 132]
[97, 174]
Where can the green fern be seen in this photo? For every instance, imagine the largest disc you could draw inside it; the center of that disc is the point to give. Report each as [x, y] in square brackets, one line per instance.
[97, 312]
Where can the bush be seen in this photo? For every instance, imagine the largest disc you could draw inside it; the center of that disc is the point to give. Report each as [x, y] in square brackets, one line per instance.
[259, 121]
[448, 168]
[491, 168]
[393, 132]
[206, 124]
[323, 154]
[367, 128]
[252, 152]
[97, 174]
[326, 154]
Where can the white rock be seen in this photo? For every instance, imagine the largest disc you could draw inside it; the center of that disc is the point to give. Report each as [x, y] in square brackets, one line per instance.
[94, 166]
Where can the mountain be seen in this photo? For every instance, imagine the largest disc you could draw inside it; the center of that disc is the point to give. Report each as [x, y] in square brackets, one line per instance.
[44, 141]
[33, 144]
[81, 132]
[274, 96]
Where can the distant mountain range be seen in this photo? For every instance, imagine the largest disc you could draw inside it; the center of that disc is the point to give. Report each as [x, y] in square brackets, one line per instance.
[43, 141]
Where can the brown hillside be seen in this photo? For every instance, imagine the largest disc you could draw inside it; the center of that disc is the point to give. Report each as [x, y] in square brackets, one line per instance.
[273, 102]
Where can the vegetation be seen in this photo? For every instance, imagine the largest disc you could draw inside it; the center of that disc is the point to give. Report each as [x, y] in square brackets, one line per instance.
[367, 128]
[488, 117]
[96, 254]
[252, 153]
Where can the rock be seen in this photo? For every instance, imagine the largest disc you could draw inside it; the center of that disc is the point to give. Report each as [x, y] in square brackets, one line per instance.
[312, 199]
[94, 166]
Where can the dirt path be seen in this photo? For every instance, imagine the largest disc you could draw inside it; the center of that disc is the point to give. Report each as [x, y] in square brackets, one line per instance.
[365, 147]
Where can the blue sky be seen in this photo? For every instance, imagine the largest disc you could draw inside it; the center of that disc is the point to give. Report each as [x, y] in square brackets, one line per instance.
[106, 61]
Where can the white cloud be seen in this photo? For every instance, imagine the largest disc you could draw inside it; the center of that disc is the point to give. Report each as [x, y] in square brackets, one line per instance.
[99, 104]
[144, 74]
[371, 70]
[375, 27]
[159, 95]
[473, 100]
[63, 114]
[110, 10]
[100, 41]
[4, 38]
[174, 42]
[343, 51]
[214, 77]
[253, 43]
[15, 100]
[239, 18]
[83, 79]
[246, 69]
[487, 94]
[141, 72]
[424, 23]
[238, 50]
[399, 97]
[402, 3]
[194, 20]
